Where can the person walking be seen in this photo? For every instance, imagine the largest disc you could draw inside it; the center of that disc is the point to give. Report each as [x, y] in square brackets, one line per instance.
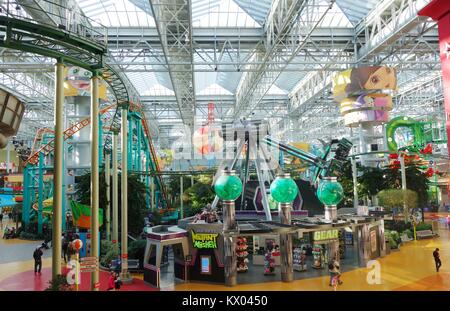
[335, 271]
[37, 256]
[65, 248]
[1, 220]
[437, 259]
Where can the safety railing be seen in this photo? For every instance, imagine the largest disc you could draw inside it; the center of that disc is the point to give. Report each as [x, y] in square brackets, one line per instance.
[69, 19]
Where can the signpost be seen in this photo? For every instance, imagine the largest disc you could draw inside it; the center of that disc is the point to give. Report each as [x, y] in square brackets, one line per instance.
[77, 245]
[89, 264]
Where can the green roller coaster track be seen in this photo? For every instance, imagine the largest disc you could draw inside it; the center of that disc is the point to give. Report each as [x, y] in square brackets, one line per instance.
[23, 28]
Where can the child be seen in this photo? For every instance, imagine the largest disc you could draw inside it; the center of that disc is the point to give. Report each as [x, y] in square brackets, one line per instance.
[117, 282]
[111, 281]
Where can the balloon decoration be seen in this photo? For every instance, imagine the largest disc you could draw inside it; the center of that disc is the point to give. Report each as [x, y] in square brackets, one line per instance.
[208, 139]
[77, 244]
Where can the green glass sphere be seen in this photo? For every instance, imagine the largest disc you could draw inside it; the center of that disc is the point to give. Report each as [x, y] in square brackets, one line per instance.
[228, 187]
[330, 192]
[283, 190]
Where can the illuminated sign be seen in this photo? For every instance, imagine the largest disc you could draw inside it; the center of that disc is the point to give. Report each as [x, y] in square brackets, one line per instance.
[326, 235]
[204, 240]
[205, 264]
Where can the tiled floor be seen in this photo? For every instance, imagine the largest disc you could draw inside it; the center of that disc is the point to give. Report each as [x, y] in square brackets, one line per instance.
[411, 268]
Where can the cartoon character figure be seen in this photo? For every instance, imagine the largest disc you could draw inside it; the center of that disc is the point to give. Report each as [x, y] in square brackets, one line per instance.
[372, 78]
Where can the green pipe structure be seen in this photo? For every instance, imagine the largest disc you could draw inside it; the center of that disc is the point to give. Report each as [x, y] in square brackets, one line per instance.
[416, 128]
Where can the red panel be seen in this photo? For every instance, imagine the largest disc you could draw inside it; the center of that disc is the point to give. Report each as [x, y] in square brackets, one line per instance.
[439, 10]
[436, 9]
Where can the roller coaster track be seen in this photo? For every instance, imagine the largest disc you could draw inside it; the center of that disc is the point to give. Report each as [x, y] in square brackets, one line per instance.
[69, 132]
[83, 46]
[138, 108]
[38, 138]
[43, 27]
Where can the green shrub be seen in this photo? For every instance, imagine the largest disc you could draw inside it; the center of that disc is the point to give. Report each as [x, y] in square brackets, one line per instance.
[136, 250]
[192, 211]
[394, 238]
[105, 247]
[59, 284]
[409, 233]
[31, 236]
[106, 259]
[398, 226]
[423, 226]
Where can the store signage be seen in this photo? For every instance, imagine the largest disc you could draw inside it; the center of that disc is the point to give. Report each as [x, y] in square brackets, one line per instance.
[326, 235]
[204, 240]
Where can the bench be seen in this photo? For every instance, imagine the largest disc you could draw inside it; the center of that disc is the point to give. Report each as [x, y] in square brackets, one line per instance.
[133, 265]
[423, 234]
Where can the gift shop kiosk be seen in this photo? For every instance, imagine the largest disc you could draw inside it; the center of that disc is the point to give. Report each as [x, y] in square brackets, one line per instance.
[207, 252]
[159, 240]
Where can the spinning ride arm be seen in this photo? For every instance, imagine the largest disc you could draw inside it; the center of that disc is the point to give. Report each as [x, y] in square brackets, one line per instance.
[324, 167]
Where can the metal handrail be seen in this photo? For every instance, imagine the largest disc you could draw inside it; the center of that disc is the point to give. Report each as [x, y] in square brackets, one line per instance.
[65, 19]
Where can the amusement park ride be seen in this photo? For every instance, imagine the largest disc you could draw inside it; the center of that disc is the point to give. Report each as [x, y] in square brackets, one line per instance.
[365, 108]
[251, 151]
[141, 155]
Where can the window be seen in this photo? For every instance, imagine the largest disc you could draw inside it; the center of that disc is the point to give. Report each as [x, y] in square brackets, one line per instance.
[205, 263]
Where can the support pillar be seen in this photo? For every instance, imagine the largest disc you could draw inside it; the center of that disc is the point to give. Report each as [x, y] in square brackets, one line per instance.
[229, 224]
[181, 198]
[228, 187]
[287, 263]
[94, 178]
[125, 276]
[403, 173]
[363, 244]
[331, 215]
[381, 238]
[152, 188]
[439, 11]
[108, 196]
[355, 184]
[115, 193]
[58, 169]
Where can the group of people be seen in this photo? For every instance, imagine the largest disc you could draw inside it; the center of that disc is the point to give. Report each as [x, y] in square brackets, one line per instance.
[114, 281]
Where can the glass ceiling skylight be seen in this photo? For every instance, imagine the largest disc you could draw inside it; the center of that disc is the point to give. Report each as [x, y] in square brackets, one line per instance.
[226, 14]
[117, 13]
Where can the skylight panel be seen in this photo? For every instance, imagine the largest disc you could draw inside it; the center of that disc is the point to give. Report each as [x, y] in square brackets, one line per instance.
[226, 14]
[118, 13]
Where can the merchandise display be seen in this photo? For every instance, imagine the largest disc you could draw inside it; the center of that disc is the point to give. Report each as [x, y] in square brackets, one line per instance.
[299, 259]
[242, 253]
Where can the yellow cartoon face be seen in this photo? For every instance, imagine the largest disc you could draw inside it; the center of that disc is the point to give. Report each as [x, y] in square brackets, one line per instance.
[381, 79]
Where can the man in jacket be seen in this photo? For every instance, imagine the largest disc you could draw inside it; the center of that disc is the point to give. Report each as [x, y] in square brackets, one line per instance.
[437, 259]
[37, 256]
